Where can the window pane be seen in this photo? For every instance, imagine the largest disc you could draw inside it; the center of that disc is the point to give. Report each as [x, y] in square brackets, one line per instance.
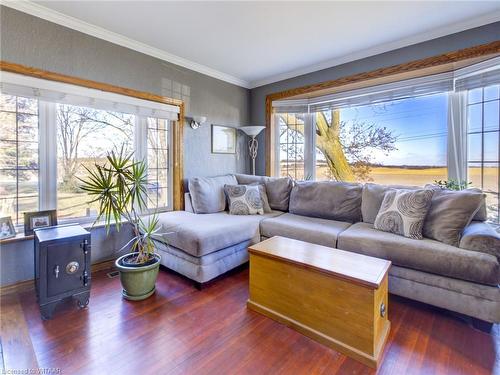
[158, 171]
[475, 117]
[491, 113]
[27, 105]
[8, 126]
[475, 144]
[84, 137]
[475, 96]
[8, 154]
[491, 92]
[491, 147]
[475, 175]
[7, 103]
[398, 142]
[291, 145]
[18, 156]
[490, 187]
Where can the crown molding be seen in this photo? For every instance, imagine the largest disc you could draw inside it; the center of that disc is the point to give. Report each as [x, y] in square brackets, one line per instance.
[386, 47]
[48, 14]
[115, 38]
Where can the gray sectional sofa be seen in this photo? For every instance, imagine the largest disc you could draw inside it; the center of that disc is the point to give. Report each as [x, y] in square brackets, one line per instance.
[203, 245]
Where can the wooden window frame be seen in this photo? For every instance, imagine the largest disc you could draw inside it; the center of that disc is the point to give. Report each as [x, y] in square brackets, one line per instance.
[412, 66]
[177, 130]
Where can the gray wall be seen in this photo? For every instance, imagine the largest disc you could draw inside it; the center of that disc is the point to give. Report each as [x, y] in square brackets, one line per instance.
[469, 38]
[31, 41]
[35, 42]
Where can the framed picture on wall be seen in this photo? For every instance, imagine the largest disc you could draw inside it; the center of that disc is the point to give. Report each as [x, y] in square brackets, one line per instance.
[223, 140]
[39, 219]
[6, 228]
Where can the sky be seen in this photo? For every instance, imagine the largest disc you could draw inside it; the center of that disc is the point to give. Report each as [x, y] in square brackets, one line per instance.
[420, 125]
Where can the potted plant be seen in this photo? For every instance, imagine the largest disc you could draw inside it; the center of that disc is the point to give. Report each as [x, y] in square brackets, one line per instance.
[119, 186]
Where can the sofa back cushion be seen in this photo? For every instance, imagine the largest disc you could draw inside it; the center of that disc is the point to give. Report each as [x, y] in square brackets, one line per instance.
[207, 193]
[372, 197]
[450, 213]
[328, 200]
[481, 214]
[277, 189]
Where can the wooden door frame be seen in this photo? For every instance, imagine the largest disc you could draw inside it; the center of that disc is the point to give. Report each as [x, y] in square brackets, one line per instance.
[445, 58]
[178, 128]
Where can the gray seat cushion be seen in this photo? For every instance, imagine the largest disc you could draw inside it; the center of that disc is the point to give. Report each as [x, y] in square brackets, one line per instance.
[424, 255]
[315, 230]
[199, 235]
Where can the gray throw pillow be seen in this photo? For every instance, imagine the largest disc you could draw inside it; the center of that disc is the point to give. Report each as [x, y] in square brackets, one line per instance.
[450, 213]
[277, 189]
[263, 196]
[244, 199]
[403, 212]
[327, 200]
[481, 214]
[278, 192]
[207, 193]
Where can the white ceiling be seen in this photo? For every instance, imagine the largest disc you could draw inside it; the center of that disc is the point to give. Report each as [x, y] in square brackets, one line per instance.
[254, 43]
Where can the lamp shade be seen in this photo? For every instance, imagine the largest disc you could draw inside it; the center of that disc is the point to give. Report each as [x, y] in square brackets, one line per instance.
[252, 131]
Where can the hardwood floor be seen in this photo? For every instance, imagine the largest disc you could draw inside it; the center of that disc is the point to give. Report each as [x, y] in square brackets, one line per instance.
[181, 330]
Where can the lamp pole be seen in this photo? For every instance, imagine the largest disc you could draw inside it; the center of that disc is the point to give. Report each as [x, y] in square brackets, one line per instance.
[253, 145]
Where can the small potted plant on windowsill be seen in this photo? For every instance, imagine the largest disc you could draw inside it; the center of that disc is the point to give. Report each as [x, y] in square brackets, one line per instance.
[119, 186]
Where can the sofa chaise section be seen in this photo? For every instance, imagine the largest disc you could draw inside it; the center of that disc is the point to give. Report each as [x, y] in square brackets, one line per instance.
[203, 246]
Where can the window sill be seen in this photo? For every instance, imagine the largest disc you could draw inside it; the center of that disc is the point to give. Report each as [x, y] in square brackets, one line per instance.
[85, 222]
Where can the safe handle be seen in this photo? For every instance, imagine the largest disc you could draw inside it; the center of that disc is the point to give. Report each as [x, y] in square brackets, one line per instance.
[56, 271]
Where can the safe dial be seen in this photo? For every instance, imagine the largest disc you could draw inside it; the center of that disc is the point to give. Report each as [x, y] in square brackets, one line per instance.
[72, 267]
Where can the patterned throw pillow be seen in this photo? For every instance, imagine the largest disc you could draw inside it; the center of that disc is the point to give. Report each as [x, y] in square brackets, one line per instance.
[244, 199]
[403, 212]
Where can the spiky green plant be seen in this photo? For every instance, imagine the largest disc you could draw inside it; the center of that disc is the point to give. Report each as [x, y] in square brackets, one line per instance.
[119, 186]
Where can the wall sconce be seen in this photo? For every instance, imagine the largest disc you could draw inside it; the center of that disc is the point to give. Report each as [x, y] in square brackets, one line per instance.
[197, 121]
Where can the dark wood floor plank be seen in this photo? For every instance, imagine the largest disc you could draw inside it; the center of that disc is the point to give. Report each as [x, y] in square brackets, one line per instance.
[17, 348]
[180, 330]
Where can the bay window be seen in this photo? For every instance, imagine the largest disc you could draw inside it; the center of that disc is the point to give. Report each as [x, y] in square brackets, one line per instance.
[411, 132]
[50, 131]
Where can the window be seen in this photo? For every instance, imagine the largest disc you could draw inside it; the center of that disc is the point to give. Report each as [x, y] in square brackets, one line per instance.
[50, 131]
[84, 137]
[395, 142]
[19, 166]
[291, 150]
[412, 132]
[483, 137]
[158, 162]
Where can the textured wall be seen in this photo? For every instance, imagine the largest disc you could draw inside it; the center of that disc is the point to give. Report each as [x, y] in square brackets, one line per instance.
[35, 42]
[469, 38]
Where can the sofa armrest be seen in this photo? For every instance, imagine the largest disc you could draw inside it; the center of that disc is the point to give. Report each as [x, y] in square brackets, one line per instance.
[480, 236]
[188, 205]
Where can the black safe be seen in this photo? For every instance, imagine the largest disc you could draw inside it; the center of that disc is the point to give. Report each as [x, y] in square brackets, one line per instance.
[62, 266]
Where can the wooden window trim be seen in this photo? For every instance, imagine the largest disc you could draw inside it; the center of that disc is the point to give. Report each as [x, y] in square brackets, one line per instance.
[178, 128]
[446, 58]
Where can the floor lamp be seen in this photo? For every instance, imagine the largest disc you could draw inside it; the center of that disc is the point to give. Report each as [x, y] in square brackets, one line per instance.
[253, 145]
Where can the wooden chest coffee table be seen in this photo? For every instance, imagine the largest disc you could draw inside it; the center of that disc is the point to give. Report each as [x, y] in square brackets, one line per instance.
[336, 297]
